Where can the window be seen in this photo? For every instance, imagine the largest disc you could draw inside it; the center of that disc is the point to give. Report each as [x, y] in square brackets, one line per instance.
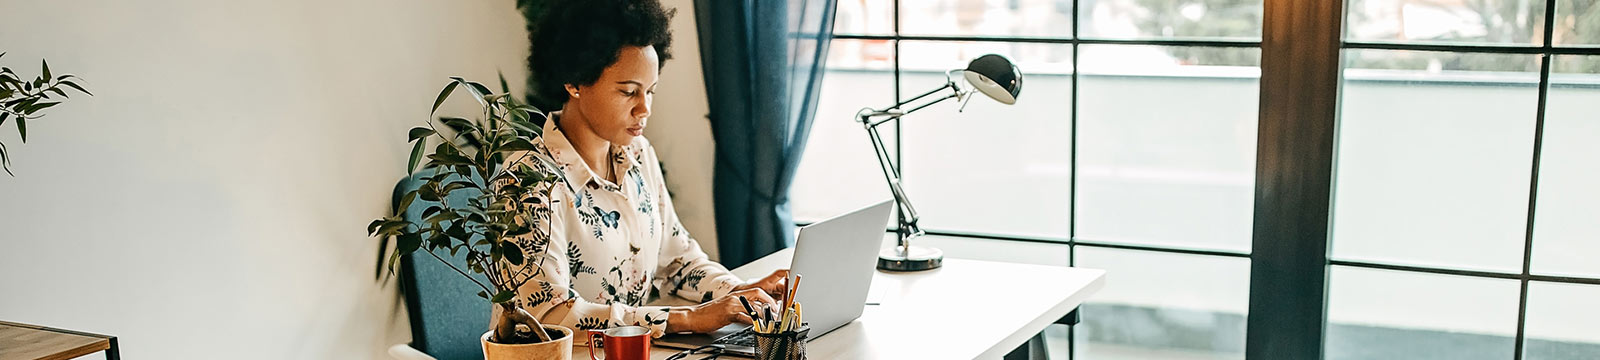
[1464, 211]
[1133, 143]
[1463, 201]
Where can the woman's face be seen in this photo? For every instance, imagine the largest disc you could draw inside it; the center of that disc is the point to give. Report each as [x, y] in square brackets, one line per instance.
[617, 105]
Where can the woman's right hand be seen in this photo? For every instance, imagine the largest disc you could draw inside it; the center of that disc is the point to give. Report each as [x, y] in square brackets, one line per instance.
[713, 315]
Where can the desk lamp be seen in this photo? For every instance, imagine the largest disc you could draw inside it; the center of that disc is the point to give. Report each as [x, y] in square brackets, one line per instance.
[994, 76]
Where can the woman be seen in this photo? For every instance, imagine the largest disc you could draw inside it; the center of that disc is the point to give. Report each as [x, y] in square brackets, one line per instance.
[612, 237]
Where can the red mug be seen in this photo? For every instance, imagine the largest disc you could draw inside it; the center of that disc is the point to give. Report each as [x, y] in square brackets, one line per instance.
[621, 343]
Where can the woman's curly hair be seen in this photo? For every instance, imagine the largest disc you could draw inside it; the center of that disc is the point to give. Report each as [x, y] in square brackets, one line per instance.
[573, 41]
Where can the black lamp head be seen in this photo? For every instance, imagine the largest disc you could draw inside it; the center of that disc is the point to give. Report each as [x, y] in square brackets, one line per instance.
[995, 76]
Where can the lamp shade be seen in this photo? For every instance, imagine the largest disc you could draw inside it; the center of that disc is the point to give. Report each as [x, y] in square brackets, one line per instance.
[995, 76]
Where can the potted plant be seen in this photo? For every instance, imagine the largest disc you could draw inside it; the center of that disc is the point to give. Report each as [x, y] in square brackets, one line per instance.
[23, 100]
[482, 159]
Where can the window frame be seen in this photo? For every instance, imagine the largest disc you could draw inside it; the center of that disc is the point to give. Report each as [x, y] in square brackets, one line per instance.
[1302, 45]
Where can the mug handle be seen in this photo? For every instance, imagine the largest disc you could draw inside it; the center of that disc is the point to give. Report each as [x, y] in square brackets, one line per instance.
[596, 339]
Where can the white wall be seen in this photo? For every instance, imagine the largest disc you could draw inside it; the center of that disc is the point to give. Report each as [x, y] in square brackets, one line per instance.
[210, 201]
[681, 132]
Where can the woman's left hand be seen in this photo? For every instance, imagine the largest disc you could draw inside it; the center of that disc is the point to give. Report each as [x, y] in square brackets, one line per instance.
[774, 285]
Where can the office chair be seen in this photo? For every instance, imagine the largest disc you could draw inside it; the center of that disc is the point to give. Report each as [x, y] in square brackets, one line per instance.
[447, 317]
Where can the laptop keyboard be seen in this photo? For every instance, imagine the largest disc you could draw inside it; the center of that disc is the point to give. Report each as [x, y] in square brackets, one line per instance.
[746, 337]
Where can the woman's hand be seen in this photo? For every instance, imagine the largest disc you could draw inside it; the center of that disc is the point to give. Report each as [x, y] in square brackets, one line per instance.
[713, 315]
[775, 285]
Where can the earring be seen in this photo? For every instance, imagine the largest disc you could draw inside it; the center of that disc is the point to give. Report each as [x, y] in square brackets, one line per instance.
[574, 94]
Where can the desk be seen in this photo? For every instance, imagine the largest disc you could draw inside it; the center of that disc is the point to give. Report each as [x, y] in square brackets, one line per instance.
[1000, 305]
[30, 342]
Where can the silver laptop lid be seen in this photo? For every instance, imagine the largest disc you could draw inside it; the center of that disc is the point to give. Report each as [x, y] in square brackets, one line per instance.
[837, 257]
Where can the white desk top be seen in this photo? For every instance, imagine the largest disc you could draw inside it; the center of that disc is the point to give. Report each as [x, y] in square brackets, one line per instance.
[967, 309]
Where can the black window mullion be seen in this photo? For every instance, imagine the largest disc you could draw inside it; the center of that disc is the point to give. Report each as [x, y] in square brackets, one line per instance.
[1295, 146]
[1533, 178]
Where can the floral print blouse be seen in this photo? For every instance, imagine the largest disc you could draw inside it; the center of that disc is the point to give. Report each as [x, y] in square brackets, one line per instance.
[603, 247]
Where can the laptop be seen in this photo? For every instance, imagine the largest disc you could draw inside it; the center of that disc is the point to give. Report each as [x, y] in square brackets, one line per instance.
[837, 257]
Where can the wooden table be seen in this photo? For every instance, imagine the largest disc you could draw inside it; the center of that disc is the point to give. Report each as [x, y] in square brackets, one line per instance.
[33, 342]
[967, 309]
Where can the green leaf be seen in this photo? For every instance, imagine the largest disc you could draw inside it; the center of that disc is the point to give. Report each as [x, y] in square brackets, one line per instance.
[392, 227]
[503, 87]
[483, 295]
[405, 201]
[409, 242]
[418, 133]
[513, 253]
[430, 211]
[46, 68]
[416, 156]
[503, 296]
[473, 89]
[5, 160]
[41, 106]
[516, 145]
[22, 128]
[459, 124]
[3, 116]
[428, 193]
[444, 94]
[75, 86]
[372, 229]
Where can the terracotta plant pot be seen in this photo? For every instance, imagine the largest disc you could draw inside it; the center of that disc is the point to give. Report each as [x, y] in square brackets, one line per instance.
[558, 349]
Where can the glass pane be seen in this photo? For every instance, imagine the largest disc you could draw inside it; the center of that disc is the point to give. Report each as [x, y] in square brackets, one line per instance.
[1577, 22]
[870, 17]
[1566, 225]
[1032, 18]
[839, 171]
[1225, 19]
[1563, 322]
[1434, 164]
[991, 168]
[1378, 314]
[940, 56]
[1510, 22]
[1158, 305]
[1166, 151]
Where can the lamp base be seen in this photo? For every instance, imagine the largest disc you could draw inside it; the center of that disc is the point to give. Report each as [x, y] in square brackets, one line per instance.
[917, 258]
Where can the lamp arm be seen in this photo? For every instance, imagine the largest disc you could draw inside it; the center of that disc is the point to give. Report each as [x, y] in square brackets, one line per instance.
[908, 228]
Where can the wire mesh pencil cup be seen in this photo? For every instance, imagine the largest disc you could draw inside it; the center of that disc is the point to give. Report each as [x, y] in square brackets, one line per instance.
[787, 345]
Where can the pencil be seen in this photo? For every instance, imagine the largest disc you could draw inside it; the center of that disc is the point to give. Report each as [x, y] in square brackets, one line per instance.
[788, 297]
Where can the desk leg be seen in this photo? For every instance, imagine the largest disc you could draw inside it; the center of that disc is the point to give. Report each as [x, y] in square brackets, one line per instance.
[112, 353]
[1034, 349]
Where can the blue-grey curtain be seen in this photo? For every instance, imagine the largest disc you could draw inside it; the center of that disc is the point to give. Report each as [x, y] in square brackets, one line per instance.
[763, 62]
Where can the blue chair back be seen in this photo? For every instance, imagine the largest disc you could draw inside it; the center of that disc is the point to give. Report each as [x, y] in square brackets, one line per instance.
[447, 316]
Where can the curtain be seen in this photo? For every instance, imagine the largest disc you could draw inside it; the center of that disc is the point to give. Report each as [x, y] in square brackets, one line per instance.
[763, 62]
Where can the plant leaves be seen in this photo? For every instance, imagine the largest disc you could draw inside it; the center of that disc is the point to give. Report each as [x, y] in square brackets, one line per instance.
[372, 229]
[41, 106]
[416, 156]
[444, 94]
[430, 211]
[408, 243]
[516, 145]
[418, 133]
[473, 89]
[512, 252]
[502, 296]
[75, 86]
[46, 68]
[405, 201]
[392, 227]
[22, 128]
[459, 124]
[503, 87]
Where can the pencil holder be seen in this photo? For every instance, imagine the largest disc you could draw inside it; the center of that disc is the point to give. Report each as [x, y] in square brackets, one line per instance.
[788, 345]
